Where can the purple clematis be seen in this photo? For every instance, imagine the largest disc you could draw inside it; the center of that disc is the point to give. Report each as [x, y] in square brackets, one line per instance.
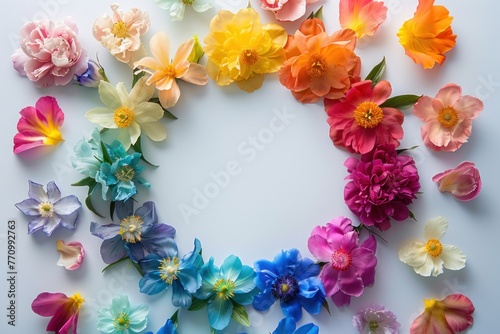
[48, 209]
[136, 235]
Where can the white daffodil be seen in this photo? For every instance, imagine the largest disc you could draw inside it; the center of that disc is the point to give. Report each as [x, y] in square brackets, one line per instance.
[127, 115]
[430, 256]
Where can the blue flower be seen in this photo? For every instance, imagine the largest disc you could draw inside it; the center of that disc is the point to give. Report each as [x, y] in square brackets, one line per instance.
[48, 209]
[120, 174]
[226, 289]
[137, 233]
[121, 318]
[92, 76]
[88, 155]
[168, 328]
[293, 281]
[164, 268]
[288, 325]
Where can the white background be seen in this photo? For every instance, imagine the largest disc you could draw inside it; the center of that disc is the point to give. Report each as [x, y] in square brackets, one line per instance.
[292, 185]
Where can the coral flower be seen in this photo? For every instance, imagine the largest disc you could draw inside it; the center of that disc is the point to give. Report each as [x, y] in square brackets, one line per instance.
[121, 33]
[448, 118]
[463, 181]
[164, 72]
[359, 124]
[64, 311]
[430, 256]
[39, 125]
[319, 65]
[240, 49]
[362, 16]
[287, 10]
[428, 35]
[451, 315]
[71, 254]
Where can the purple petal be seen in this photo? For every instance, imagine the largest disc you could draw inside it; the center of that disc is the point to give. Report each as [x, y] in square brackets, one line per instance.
[67, 205]
[148, 214]
[36, 224]
[104, 231]
[69, 221]
[53, 192]
[113, 249]
[124, 209]
[37, 192]
[29, 207]
[51, 224]
[135, 251]
[154, 238]
[340, 299]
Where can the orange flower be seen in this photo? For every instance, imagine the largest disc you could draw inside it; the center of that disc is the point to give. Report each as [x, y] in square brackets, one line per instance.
[428, 35]
[362, 16]
[319, 65]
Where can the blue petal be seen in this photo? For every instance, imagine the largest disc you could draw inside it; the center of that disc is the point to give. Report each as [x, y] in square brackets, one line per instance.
[310, 287]
[209, 274]
[266, 274]
[287, 261]
[180, 297]
[285, 326]
[122, 191]
[158, 239]
[245, 281]
[190, 278]
[168, 328]
[194, 257]
[263, 301]
[308, 329]
[113, 249]
[219, 312]
[148, 214]
[135, 251]
[124, 209]
[246, 298]
[152, 284]
[313, 304]
[29, 207]
[104, 231]
[150, 263]
[306, 268]
[292, 309]
[231, 268]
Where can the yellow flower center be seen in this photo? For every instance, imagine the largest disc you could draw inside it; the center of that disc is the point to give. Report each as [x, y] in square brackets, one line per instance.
[168, 269]
[125, 173]
[122, 321]
[373, 325]
[46, 209]
[433, 247]
[368, 114]
[285, 288]
[448, 117]
[77, 300]
[131, 229]
[120, 29]
[52, 136]
[123, 117]
[317, 66]
[187, 2]
[224, 288]
[249, 56]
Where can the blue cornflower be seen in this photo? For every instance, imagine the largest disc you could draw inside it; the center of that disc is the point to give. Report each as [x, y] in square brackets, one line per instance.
[226, 289]
[288, 325]
[168, 328]
[135, 235]
[293, 281]
[164, 268]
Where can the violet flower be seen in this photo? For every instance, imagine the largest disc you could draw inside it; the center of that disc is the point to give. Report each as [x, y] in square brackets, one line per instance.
[375, 319]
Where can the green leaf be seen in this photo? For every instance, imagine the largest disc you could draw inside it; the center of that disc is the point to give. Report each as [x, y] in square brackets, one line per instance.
[114, 263]
[376, 73]
[412, 216]
[105, 155]
[406, 149]
[197, 304]
[138, 148]
[88, 181]
[212, 330]
[240, 314]
[166, 113]
[112, 209]
[375, 233]
[326, 306]
[175, 318]
[316, 15]
[137, 76]
[88, 203]
[401, 101]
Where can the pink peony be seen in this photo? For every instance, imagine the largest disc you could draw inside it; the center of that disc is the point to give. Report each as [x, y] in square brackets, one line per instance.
[287, 10]
[349, 267]
[448, 118]
[50, 53]
[463, 181]
[382, 185]
[359, 124]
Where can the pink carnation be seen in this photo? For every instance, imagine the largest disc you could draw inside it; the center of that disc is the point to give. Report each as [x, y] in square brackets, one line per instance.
[50, 53]
[382, 185]
[463, 181]
[349, 267]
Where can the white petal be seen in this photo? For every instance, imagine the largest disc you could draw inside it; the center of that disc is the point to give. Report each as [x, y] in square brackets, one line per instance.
[413, 253]
[438, 265]
[453, 257]
[109, 95]
[141, 92]
[101, 116]
[155, 131]
[426, 268]
[71, 254]
[125, 99]
[147, 112]
[134, 131]
[435, 228]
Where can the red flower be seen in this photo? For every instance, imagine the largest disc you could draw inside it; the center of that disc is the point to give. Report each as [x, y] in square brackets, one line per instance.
[64, 311]
[359, 124]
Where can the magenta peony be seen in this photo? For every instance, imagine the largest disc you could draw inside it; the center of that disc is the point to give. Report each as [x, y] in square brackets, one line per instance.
[463, 181]
[50, 53]
[382, 185]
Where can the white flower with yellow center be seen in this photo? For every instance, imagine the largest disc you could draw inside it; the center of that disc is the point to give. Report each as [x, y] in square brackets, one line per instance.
[430, 256]
[126, 115]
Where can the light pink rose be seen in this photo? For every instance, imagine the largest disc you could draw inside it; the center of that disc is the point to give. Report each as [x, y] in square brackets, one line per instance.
[463, 181]
[50, 53]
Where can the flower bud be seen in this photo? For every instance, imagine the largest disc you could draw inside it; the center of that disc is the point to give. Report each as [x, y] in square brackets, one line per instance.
[92, 76]
[196, 51]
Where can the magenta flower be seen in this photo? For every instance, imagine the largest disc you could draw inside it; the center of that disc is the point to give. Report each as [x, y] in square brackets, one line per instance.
[463, 181]
[39, 125]
[50, 53]
[64, 311]
[383, 184]
[349, 267]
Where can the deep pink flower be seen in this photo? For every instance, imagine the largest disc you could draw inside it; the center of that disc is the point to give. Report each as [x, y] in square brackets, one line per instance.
[50, 53]
[64, 311]
[39, 125]
[448, 118]
[359, 124]
[349, 267]
[463, 181]
[383, 183]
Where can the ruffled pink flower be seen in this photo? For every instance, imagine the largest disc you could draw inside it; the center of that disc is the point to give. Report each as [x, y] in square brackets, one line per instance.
[71, 254]
[463, 181]
[287, 10]
[64, 311]
[121, 33]
[451, 315]
[362, 16]
[383, 184]
[50, 53]
[448, 118]
[359, 124]
[39, 125]
[349, 267]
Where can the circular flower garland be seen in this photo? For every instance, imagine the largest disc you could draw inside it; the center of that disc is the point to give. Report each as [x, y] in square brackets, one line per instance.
[363, 119]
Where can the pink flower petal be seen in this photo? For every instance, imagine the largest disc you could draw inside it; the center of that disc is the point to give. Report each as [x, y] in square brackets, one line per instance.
[463, 182]
[46, 303]
[71, 254]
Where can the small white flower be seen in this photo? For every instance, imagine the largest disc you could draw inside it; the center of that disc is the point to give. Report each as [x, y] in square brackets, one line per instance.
[430, 256]
[176, 7]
